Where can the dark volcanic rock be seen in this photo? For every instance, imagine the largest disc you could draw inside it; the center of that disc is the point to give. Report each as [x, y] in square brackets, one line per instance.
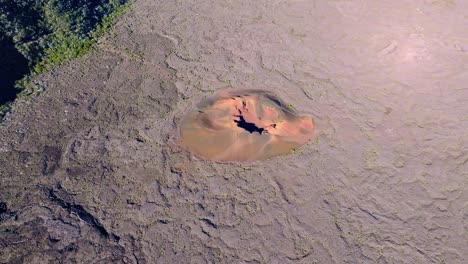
[375, 186]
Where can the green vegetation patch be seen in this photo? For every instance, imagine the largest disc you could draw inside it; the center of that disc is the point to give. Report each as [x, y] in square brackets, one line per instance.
[44, 33]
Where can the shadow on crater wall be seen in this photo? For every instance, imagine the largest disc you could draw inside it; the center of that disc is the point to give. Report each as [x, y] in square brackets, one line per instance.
[13, 67]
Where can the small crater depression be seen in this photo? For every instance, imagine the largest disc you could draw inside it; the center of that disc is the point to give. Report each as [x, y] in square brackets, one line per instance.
[244, 126]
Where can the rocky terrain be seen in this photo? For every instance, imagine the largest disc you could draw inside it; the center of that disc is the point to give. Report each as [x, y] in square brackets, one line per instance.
[91, 171]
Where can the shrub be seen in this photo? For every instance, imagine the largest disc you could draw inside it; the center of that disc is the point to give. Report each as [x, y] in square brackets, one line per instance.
[49, 32]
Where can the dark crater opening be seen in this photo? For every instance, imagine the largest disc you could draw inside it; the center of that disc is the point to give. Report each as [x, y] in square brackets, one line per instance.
[250, 127]
[13, 66]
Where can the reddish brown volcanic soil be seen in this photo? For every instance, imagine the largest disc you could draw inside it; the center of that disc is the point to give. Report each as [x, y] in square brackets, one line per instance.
[244, 125]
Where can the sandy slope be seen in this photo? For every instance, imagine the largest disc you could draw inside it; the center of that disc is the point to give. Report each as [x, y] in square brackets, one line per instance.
[90, 172]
